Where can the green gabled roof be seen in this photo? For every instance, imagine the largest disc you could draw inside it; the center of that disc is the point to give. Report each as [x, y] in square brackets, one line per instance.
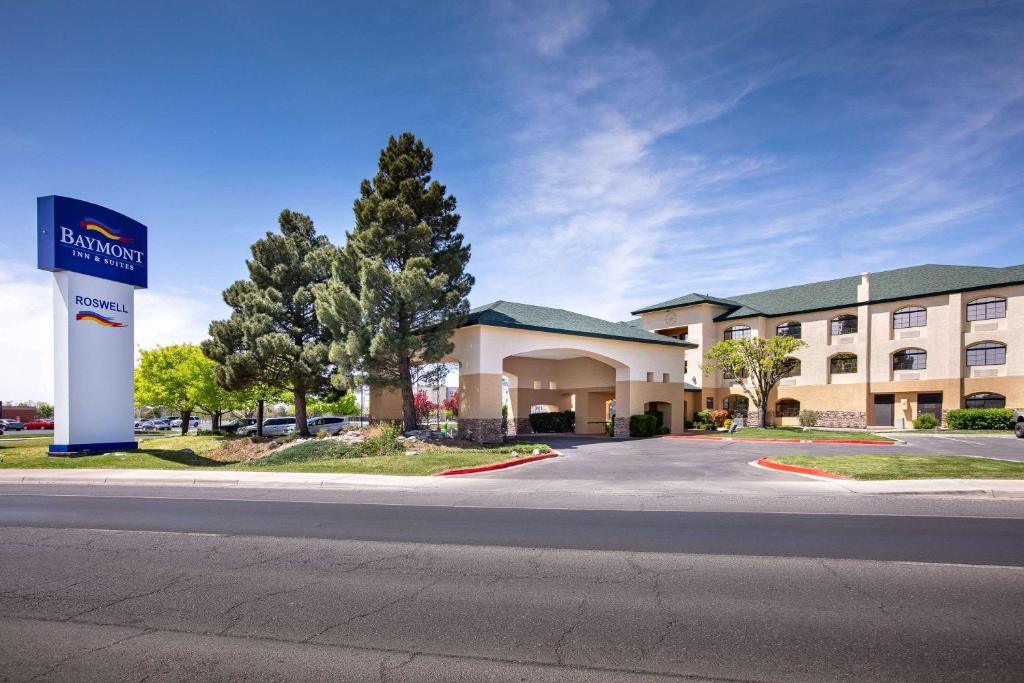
[687, 300]
[543, 319]
[888, 285]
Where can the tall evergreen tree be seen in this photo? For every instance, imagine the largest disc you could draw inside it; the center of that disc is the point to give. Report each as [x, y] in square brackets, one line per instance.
[400, 284]
[273, 337]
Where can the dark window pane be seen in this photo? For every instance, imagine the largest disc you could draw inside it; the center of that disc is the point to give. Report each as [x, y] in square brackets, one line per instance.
[737, 332]
[788, 330]
[910, 359]
[792, 366]
[986, 354]
[844, 364]
[844, 324]
[986, 308]
[985, 401]
[787, 408]
[909, 317]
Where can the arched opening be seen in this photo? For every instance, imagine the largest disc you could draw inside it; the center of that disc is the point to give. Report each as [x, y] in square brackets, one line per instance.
[736, 405]
[986, 353]
[842, 364]
[570, 382]
[662, 410]
[790, 329]
[910, 359]
[787, 411]
[843, 324]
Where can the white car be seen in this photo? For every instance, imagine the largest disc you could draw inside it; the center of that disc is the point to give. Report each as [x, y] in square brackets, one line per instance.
[274, 426]
[327, 423]
[193, 423]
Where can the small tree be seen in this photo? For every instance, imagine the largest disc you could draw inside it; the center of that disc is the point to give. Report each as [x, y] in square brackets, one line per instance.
[423, 405]
[760, 361]
[174, 377]
[452, 403]
[44, 409]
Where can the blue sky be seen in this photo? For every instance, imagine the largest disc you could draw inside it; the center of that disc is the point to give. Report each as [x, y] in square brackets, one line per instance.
[605, 155]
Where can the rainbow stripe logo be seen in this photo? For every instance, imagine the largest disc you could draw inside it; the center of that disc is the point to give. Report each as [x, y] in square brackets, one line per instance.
[105, 230]
[92, 316]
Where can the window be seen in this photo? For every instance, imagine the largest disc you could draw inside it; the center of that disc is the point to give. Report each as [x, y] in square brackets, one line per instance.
[738, 332]
[986, 353]
[787, 407]
[792, 366]
[843, 364]
[910, 359]
[729, 374]
[986, 308]
[665, 377]
[788, 330]
[650, 376]
[985, 401]
[844, 324]
[709, 402]
[912, 316]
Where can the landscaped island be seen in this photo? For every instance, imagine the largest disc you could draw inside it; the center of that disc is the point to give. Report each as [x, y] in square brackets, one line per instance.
[380, 453]
[882, 467]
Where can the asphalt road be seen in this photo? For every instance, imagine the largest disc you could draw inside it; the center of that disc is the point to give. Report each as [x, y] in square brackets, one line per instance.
[116, 587]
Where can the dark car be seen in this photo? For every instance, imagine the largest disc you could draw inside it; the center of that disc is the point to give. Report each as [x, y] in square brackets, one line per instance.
[235, 425]
[14, 425]
[1018, 423]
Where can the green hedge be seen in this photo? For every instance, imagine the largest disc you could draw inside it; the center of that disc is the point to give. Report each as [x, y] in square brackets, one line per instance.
[643, 425]
[564, 421]
[980, 418]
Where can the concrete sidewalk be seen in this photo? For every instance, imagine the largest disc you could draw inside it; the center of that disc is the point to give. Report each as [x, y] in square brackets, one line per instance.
[565, 490]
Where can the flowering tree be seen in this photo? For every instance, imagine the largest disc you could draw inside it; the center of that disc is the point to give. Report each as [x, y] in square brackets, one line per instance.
[758, 362]
[452, 404]
[423, 405]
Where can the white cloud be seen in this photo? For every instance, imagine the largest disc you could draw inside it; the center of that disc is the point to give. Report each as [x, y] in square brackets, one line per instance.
[26, 337]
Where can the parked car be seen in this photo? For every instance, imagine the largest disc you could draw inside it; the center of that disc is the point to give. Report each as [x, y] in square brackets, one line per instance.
[39, 424]
[1018, 423]
[328, 423]
[235, 425]
[274, 426]
[160, 424]
[193, 423]
[14, 425]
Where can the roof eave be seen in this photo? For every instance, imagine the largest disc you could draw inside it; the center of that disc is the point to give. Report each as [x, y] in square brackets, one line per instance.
[669, 341]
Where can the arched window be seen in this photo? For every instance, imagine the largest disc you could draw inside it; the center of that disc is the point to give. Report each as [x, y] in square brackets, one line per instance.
[843, 364]
[911, 316]
[986, 308]
[910, 359]
[729, 374]
[792, 367]
[844, 324]
[787, 407]
[738, 332]
[985, 401]
[789, 330]
[986, 353]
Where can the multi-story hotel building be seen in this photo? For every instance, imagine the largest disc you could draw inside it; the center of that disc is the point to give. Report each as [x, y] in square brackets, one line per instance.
[881, 349]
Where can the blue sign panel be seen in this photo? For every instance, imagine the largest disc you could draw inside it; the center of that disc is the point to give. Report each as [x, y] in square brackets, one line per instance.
[92, 240]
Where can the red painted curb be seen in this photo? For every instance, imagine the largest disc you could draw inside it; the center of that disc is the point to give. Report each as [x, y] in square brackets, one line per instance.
[796, 469]
[495, 465]
[862, 442]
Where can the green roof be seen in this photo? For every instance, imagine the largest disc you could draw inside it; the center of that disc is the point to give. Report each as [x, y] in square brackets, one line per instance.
[889, 285]
[543, 319]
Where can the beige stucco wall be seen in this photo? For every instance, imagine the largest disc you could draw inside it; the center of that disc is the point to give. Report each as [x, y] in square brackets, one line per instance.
[944, 338]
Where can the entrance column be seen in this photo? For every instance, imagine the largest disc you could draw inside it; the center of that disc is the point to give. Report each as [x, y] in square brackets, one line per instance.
[622, 403]
[480, 407]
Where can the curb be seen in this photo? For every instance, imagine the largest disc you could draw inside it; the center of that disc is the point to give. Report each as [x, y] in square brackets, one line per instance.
[495, 465]
[796, 469]
[861, 442]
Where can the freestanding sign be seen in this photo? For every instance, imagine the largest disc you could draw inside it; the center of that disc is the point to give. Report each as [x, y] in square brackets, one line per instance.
[98, 258]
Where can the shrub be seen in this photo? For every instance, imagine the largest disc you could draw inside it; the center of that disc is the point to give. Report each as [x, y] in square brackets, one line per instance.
[718, 417]
[642, 425]
[659, 417]
[307, 451]
[980, 418]
[663, 430]
[727, 424]
[609, 428]
[925, 421]
[381, 439]
[564, 421]
[808, 418]
[703, 417]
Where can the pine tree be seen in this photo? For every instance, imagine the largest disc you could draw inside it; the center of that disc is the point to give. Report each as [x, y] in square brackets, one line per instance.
[273, 337]
[399, 287]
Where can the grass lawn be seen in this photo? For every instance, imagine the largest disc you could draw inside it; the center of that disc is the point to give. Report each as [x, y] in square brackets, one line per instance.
[24, 435]
[880, 467]
[795, 433]
[166, 453]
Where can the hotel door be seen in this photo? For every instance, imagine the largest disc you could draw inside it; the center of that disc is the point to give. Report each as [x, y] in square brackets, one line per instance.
[930, 404]
[884, 404]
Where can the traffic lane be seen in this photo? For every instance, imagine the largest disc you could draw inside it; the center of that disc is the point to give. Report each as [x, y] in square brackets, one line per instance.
[185, 602]
[967, 540]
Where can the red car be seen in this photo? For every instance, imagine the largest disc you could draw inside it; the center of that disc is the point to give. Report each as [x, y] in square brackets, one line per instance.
[39, 424]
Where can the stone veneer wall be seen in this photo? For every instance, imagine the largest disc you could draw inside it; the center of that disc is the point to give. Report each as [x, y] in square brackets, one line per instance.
[621, 426]
[842, 418]
[481, 430]
[519, 426]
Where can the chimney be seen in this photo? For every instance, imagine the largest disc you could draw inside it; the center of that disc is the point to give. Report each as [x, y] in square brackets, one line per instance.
[864, 289]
